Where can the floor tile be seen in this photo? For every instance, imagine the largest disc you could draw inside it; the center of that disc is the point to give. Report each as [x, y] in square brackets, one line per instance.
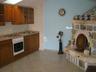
[42, 61]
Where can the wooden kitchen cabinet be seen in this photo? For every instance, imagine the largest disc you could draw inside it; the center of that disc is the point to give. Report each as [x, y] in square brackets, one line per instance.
[31, 43]
[8, 13]
[18, 15]
[28, 15]
[23, 15]
[2, 15]
[6, 52]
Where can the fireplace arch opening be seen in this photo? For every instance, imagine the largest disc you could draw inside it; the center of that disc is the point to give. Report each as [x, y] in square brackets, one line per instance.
[81, 43]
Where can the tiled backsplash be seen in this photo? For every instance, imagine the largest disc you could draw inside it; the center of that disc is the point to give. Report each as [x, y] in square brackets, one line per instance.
[9, 28]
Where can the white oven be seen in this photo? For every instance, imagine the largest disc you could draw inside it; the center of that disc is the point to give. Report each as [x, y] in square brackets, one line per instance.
[18, 45]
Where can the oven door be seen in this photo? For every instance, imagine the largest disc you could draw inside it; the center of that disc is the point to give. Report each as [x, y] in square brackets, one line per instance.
[18, 46]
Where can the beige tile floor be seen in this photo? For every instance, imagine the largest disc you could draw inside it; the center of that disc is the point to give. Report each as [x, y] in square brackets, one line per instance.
[41, 61]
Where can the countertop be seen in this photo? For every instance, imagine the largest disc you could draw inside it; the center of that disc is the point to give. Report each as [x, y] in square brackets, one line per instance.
[17, 34]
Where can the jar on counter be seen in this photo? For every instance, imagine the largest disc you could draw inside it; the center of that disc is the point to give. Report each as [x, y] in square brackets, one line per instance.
[86, 52]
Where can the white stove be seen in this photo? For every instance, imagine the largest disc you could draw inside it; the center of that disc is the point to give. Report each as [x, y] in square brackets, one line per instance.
[18, 45]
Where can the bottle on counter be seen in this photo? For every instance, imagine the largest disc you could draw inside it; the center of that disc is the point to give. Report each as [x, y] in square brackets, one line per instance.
[86, 52]
[89, 50]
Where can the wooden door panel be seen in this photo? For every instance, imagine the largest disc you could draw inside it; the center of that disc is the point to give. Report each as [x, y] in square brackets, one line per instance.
[32, 43]
[18, 15]
[30, 16]
[2, 15]
[8, 12]
[6, 52]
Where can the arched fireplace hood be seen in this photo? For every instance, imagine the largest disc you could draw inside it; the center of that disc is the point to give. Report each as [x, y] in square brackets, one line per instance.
[84, 30]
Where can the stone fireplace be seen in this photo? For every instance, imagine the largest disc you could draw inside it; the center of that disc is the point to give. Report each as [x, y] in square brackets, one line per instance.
[83, 39]
[84, 34]
[84, 30]
[81, 50]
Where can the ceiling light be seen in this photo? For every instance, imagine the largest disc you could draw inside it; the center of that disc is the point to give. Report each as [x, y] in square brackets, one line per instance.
[12, 1]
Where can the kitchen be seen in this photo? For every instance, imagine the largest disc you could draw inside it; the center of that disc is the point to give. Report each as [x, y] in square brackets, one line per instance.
[49, 42]
[9, 28]
[16, 34]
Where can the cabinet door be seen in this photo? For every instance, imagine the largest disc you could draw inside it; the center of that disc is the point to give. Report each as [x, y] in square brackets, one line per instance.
[32, 43]
[8, 12]
[29, 15]
[2, 15]
[35, 39]
[25, 11]
[5, 52]
[28, 44]
[18, 15]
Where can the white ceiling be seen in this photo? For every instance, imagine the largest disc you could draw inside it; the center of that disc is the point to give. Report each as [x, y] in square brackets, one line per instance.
[30, 3]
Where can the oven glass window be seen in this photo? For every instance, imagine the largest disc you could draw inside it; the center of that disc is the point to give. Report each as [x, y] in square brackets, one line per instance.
[18, 46]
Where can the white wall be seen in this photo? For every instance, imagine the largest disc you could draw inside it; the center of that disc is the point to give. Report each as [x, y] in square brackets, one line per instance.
[55, 23]
[39, 21]
[8, 28]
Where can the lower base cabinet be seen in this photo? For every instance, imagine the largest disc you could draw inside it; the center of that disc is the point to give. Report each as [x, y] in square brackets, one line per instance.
[31, 44]
[6, 53]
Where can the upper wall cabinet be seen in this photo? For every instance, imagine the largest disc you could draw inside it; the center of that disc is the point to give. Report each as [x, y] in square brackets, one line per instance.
[23, 15]
[6, 13]
[16, 14]
[29, 15]
[1, 14]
